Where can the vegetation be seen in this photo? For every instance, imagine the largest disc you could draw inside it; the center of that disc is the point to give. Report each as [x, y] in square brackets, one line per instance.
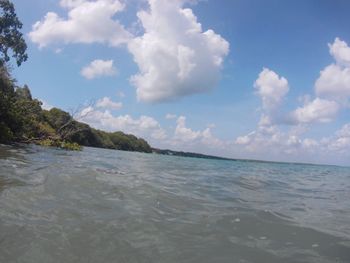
[23, 120]
[11, 39]
[189, 154]
[21, 117]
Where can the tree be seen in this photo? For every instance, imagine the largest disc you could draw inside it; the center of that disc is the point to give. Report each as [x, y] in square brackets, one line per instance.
[10, 36]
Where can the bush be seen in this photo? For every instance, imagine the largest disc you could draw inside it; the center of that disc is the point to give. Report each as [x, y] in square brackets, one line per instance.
[60, 144]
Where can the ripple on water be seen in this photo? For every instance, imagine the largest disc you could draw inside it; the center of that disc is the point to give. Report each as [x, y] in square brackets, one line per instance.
[111, 206]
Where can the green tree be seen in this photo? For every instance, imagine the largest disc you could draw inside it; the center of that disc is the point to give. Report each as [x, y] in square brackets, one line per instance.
[7, 96]
[11, 39]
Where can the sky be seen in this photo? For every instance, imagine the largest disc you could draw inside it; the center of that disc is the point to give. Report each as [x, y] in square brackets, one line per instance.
[251, 79]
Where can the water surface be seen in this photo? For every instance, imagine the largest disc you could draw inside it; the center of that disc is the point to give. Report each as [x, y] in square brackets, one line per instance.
[111, 206]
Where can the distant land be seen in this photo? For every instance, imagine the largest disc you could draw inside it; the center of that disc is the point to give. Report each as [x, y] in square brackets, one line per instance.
[189, 154]
[213, 157]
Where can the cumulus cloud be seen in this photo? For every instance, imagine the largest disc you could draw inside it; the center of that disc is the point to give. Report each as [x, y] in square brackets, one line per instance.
[268, 135]
[340, 52]
[271, 88]
[341, 141]
[71, 3]
[271, 140]
[181, 137]
[99, 68]
[244, 140]
[183, 133]
[107, 103]
[186, 136]
[175, 57]
[271, 143]
[87, 22]
[210, 140]
[143, 126]
[332, 88]
[170, 116]
[334, 80]
[318, 110]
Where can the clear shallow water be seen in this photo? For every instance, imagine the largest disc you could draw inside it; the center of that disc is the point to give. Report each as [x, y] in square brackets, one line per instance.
[110, 206]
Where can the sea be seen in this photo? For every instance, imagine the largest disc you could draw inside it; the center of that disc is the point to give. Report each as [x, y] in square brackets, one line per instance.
[100, 205]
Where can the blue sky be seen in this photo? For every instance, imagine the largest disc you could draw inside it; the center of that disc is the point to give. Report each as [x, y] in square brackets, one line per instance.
[244, 79]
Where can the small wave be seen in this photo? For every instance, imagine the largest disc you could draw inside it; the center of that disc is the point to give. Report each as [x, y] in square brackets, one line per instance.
[109, 171]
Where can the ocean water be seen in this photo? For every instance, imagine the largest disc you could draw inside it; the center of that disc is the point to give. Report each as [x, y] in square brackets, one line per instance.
[110, 206]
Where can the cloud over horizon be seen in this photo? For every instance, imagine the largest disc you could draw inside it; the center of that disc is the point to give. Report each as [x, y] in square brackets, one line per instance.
[175, 56]
[331, 93]
[107, 103]
[144, 126]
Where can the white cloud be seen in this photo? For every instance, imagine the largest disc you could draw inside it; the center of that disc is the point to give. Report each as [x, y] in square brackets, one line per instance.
[274, 144]
[71, 3]
[340, 52]
[341, 141]
[84, 112]
[45, 105]
[334, 80]
[332, 88]
[107, 103]
[244, 140]
[170, 116]
[344, 131]
[310, 143]
[175, 57]
[210, 140]
[318, 110]
[272, 140]
[269, 140]
[88, 22]
[271, 88]
[185, 136]
[144, 126]
[183, 133]
[99, 68]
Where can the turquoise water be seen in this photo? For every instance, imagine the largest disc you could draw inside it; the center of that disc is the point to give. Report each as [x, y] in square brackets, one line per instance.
[111, 206]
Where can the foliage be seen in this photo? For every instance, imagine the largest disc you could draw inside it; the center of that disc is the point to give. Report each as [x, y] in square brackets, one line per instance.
[60, 144]
[6, 134]
[10, 36]
[8, 113]
[23, 120]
